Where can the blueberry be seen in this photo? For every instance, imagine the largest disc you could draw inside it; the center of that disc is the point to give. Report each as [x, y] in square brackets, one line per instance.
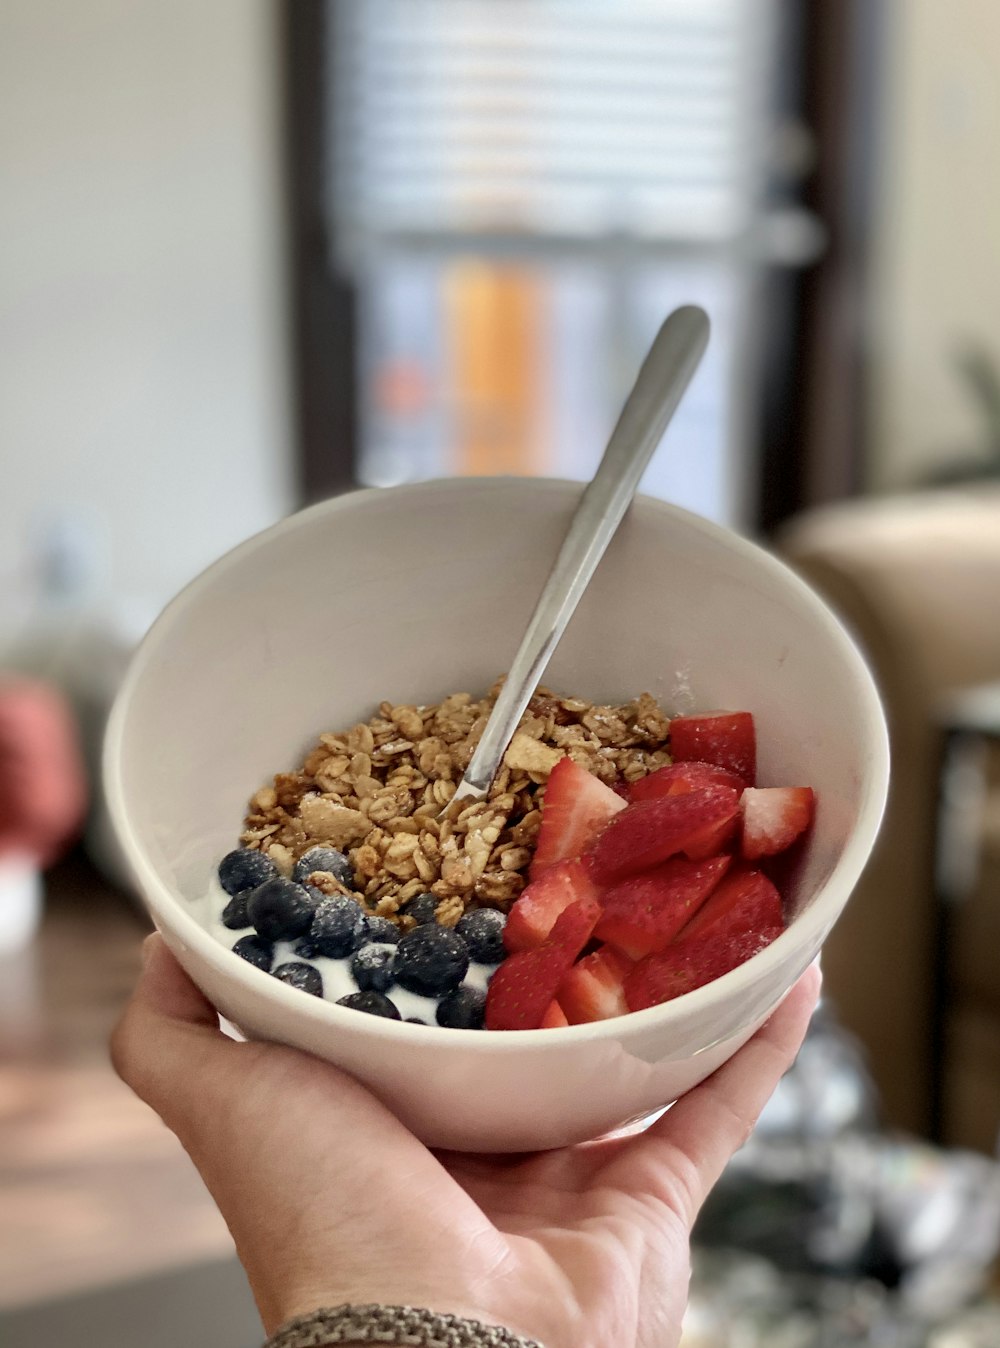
[431, 961]
[414, 1020]
[301, 976]
[482, 931]
[463, 1009]
[338, 927]
[383, 931]
[235, 915]
[245, 869]
[372, 968]
[281, 909]
[255, 951]
[421, 908]
[324, 859]
[372, 1002]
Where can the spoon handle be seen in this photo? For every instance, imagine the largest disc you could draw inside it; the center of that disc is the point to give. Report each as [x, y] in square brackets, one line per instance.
[659, 387]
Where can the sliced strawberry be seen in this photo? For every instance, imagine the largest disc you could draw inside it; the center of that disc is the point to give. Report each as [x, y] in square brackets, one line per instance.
[679, 777]
[773, 817]
[522, 989]
[534, 914]
[679, 969]
[554, 1018]
[660, 978]
[740, 918]
[650, 831]
[725, 739]
[577, 805]
[688, 965]
[745, 900]
[644, 913]
[524, 986]
[592, 990]
[575, 926]
[714, 840]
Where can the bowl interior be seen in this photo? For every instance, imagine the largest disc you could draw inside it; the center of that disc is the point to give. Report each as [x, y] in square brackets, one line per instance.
[412, 593]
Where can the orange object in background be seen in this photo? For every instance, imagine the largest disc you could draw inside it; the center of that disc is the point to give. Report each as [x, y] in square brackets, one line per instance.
[494, 320]
[43, 792]
[402, 388]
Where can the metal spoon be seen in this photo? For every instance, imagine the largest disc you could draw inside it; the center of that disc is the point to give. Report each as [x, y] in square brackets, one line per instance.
[658, 389]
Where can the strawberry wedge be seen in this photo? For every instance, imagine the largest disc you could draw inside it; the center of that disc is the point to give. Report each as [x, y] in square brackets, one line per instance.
[522, 990]
[644, 913]
[677, 778]
[745, 900]
[593, 988]
[650, 831]
[726, 739]
[680, 969]
[554, 1018]
[740, 918]
[577, 805]
[534, 914]
[773, 817]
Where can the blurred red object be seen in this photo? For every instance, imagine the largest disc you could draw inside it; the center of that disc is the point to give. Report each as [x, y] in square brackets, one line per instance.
[43, 788]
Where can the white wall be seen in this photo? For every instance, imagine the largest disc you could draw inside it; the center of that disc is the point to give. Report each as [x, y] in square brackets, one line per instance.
[937, 250]
[143, 380]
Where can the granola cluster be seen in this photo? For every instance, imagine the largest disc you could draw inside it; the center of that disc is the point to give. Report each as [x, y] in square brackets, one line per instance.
[380, 792]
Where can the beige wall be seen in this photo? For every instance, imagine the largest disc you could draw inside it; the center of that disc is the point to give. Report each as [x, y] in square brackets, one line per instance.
[937, 250]
[143, 383]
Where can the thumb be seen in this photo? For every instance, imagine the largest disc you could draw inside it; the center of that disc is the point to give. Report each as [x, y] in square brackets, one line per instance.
[699, 1134]
[166, 1032]
[165, 989]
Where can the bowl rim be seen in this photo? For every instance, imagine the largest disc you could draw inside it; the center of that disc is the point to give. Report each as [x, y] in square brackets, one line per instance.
[169, 905]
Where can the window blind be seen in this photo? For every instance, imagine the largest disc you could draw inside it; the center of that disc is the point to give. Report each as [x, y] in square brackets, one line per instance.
[578, 118]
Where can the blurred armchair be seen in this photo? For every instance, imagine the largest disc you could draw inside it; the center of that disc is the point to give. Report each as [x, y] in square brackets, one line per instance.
[917, 581]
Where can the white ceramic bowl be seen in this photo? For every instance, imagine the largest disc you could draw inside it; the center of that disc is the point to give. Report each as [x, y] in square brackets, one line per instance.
[414, 592]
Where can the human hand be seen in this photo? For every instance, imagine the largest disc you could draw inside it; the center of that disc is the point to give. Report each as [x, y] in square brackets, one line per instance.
[331, 1200]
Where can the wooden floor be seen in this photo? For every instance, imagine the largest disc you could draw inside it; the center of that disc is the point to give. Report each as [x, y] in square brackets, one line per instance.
[93, 1189]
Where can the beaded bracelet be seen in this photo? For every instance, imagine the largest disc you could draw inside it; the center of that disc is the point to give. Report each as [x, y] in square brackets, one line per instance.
[411, 1326]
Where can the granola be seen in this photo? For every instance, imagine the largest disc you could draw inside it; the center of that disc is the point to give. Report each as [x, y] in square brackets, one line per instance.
[380, 792]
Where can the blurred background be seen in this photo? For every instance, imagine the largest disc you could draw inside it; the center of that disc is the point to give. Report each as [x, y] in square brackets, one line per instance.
[257, 252]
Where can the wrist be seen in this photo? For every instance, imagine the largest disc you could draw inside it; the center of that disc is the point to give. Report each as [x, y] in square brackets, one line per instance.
[395, 1288]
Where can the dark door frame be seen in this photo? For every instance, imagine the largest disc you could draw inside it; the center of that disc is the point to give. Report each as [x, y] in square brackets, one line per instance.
[323, 319]
[813, 432]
